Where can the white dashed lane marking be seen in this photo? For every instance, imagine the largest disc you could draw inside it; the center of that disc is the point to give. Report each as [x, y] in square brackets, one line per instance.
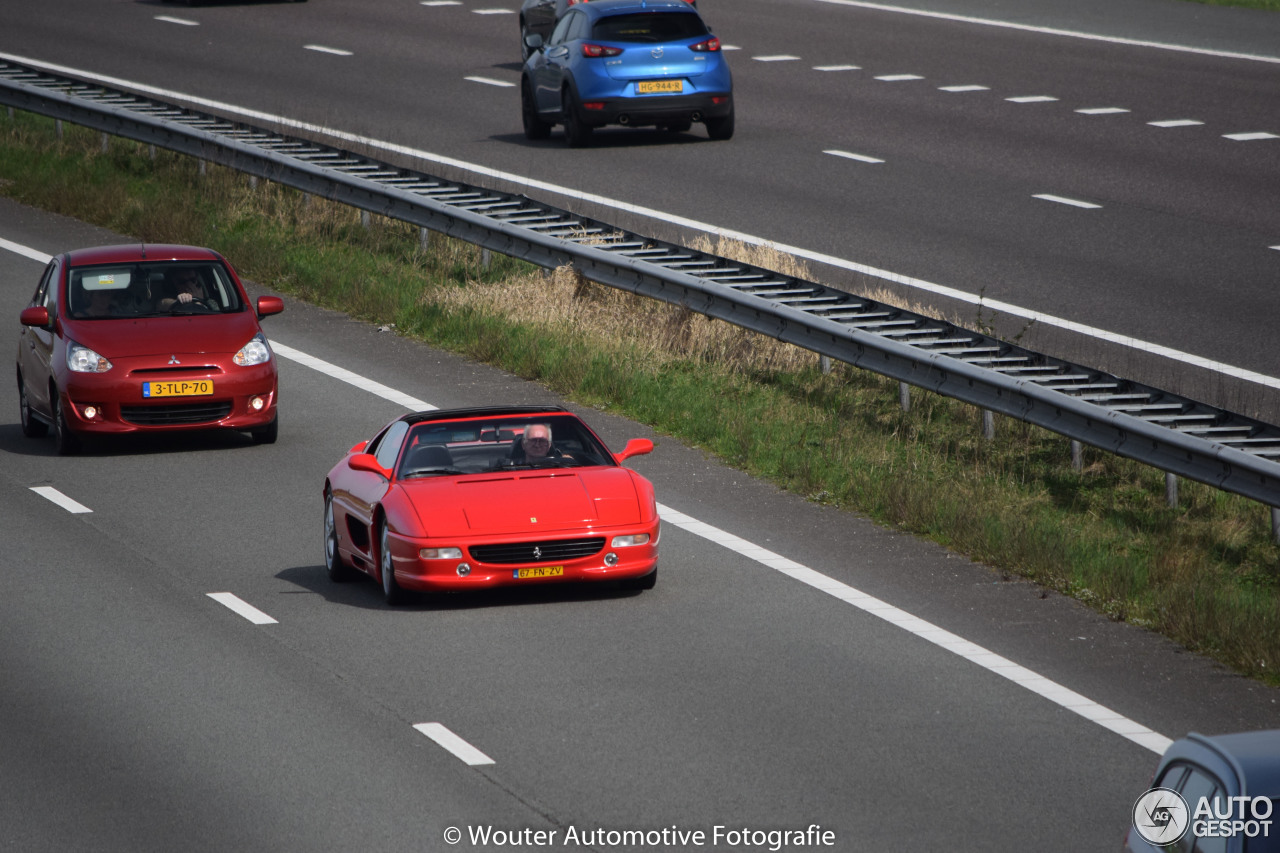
[454, 744]
[181, 21]
[335, 51]
[969, 88]
[1071, 201]
[245, 609]
[1249, 137]
[1177, 122]
[489, 81]
[57, 497]
[1031, 99]
[848, 155]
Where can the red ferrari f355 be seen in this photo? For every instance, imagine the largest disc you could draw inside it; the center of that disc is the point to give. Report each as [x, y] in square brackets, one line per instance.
[464, 499]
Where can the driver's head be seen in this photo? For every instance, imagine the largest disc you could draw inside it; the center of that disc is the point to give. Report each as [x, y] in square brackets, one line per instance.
[536, 441]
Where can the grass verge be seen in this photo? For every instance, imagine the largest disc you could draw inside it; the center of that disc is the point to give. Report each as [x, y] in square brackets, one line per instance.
[1205, 573]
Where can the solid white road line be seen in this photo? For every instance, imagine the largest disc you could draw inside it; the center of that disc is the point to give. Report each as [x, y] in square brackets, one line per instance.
[52, 494]
[1071, 201]
[336, 51]
[681, 221]
[848, 155]
[459, 747]
[245, 609]
[491, 82]
[940, 637]
[987, 22]
[375, 388]
[25, 251]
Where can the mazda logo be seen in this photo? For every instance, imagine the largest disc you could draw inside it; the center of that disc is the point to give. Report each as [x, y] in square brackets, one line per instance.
[656, 53]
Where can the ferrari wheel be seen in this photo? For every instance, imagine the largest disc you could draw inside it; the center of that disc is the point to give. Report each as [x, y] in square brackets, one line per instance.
[64, 439]
[338, 570]
[391, 590]
[32, 427]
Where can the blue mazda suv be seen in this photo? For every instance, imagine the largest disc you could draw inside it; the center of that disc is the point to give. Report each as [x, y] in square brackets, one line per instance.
[628, 62]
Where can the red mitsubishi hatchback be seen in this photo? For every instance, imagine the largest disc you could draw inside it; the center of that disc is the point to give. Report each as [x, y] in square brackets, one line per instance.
[144, 338]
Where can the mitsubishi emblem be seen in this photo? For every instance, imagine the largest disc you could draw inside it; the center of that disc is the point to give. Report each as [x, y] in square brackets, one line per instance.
[537, 553]
[173, 359]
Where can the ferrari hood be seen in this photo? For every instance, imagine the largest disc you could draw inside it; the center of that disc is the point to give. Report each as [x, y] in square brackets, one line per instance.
[524, 502]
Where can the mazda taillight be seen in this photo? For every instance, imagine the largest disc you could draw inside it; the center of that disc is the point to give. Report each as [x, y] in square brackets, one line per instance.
[710, 45]
[596, 50]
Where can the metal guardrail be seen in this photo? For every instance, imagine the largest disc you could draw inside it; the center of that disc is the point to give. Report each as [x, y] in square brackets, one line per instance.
[1173, 433]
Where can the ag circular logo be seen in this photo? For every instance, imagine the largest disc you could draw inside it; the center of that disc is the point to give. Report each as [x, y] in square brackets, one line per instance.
[1161, 816]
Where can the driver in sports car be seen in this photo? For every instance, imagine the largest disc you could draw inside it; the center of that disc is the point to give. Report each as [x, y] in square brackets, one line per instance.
[535, 446]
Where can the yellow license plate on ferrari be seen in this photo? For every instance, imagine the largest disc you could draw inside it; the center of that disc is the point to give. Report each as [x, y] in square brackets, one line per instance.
[655, 87]
[539, 572]
[191, 388]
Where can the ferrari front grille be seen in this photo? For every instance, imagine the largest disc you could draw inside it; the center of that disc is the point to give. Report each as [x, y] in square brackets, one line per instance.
[537, 552]
[185, 414]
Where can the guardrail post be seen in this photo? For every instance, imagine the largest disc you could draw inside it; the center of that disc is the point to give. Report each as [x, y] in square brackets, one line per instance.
[57, 127]
[253, 182]
[151, 151]
[824, 363]
[988, 424]
[1171, 489]
[424, 238]
[202, 168]
[486, 258]
[364, 219]
[1077, 456]
[1275, 525]
[904, 396]
[105, 140]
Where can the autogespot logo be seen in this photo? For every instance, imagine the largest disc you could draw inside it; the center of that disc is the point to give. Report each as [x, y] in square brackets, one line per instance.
[1161, 816]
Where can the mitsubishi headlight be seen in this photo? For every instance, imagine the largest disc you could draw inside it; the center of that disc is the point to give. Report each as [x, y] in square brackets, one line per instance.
[84, 360]
[254, 352]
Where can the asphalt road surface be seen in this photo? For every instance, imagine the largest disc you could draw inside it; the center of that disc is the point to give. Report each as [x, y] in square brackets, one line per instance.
[795, 666]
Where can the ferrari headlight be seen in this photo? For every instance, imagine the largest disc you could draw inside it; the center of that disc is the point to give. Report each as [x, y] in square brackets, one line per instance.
[84, 360]
[629, 541]
[254, 352]
[440, 553]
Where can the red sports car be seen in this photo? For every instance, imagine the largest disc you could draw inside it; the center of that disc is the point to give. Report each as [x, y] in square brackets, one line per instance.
[138, 338]
[474, 498]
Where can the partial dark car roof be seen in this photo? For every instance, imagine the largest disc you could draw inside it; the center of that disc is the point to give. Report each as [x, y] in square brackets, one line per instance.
[133, 252]
[480, 412]
[1257, 754]
[601, 8]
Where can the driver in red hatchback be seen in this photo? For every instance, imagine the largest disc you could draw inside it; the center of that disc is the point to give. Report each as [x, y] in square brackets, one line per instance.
[186, 286]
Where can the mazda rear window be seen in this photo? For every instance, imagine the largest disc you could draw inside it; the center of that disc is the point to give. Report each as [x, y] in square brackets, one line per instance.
[649, 27]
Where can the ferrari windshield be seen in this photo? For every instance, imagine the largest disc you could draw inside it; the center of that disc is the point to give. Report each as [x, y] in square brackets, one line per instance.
[151, 290]
[499, 443]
